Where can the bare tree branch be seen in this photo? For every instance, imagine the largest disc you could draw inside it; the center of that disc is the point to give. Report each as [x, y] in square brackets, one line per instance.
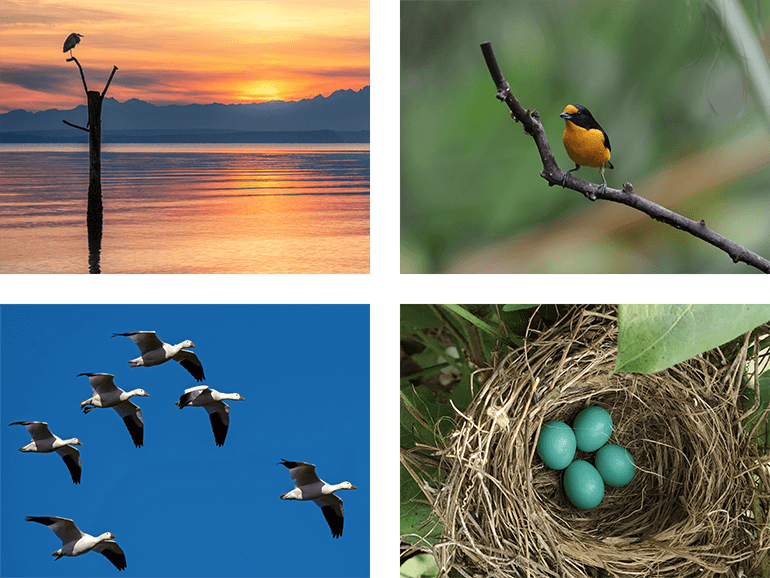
[114, 68]
[83, 76]
[553, 174]
[75, 126]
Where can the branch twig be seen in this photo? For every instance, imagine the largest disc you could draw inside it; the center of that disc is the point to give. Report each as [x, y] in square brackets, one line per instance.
[83, 76]
[75, 126]
[114, 68]
[553, 174]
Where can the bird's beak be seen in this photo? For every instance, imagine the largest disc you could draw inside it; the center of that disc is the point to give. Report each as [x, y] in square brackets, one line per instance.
[566, 116]
[192, 344]
[353, 487]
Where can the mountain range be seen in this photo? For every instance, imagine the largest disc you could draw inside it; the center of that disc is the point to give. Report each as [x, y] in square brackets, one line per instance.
[343, 116]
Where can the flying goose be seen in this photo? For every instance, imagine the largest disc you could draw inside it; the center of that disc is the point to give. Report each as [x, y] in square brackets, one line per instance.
[153, 351]
[43, 441]
[74, 542]
[211, 400]
[107, 394]
[308, 486]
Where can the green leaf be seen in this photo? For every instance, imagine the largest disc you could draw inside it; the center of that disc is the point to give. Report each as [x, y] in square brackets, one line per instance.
[419, 566]
[517, 307]
[415, 514]
[414, 317]
[654, 337]
[480, 323]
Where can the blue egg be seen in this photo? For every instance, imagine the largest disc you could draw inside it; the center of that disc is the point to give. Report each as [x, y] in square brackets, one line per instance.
[556, 444]
[616, 465]
[583, 485]
[592, 427]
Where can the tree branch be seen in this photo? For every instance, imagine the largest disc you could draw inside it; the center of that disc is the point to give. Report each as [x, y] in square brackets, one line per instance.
[114, 68]
[553, 174]
[83, 76]
[75, 126]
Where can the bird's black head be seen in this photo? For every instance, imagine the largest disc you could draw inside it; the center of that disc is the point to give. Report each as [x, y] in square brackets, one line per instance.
[579, 115]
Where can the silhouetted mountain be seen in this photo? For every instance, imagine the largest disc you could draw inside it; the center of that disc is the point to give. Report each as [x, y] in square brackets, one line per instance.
[343, 110]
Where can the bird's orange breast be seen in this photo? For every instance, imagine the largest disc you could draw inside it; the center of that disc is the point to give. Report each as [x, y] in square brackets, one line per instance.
[585, 147]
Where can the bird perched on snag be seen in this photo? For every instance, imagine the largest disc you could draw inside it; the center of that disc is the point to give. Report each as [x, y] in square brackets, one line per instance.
[72, 41]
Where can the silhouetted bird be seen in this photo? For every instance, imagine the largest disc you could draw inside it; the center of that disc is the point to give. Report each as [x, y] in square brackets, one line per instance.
[72, 41]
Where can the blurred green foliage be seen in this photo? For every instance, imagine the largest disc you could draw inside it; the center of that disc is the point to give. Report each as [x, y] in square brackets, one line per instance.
[659, 76]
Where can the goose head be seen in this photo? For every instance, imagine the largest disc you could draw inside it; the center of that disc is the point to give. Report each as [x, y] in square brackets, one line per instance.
[347, 486]
[187, 343]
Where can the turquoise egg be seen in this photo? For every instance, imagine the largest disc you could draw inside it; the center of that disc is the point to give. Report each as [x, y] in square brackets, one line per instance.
[556, 444]
[616, 465]
[592, 427]
[583, 485]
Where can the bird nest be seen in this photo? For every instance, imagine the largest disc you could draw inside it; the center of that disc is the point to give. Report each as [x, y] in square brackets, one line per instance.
[694, 508]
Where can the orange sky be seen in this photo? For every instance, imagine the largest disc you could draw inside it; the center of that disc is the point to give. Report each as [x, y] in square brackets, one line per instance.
[191, 51]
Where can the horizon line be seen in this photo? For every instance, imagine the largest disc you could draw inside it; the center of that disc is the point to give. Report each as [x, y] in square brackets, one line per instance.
[195, 103]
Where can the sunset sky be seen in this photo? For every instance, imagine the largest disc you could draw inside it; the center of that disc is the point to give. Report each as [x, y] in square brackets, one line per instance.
[183, 52]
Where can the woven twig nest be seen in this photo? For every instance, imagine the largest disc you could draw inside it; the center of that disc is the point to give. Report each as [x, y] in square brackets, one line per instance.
[690, 510]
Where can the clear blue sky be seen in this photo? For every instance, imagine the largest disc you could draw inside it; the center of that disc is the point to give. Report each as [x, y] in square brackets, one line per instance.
[180, 505]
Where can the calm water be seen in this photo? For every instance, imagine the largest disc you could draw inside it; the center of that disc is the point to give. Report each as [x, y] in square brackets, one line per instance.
[188, 209]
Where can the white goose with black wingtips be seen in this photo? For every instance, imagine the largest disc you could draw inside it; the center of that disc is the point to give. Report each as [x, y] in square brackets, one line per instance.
[75, 543]
[153, 351]
[43, 441]
[107, 394]
[308, 486]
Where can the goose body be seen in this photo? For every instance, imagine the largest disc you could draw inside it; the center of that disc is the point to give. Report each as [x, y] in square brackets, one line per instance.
[153, 351]
[212, 401]
[308, 486]
[107, 394]
[43, 441]
[75, 543]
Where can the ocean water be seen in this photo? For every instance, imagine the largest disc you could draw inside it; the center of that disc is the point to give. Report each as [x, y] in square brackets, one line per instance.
[216, 208]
